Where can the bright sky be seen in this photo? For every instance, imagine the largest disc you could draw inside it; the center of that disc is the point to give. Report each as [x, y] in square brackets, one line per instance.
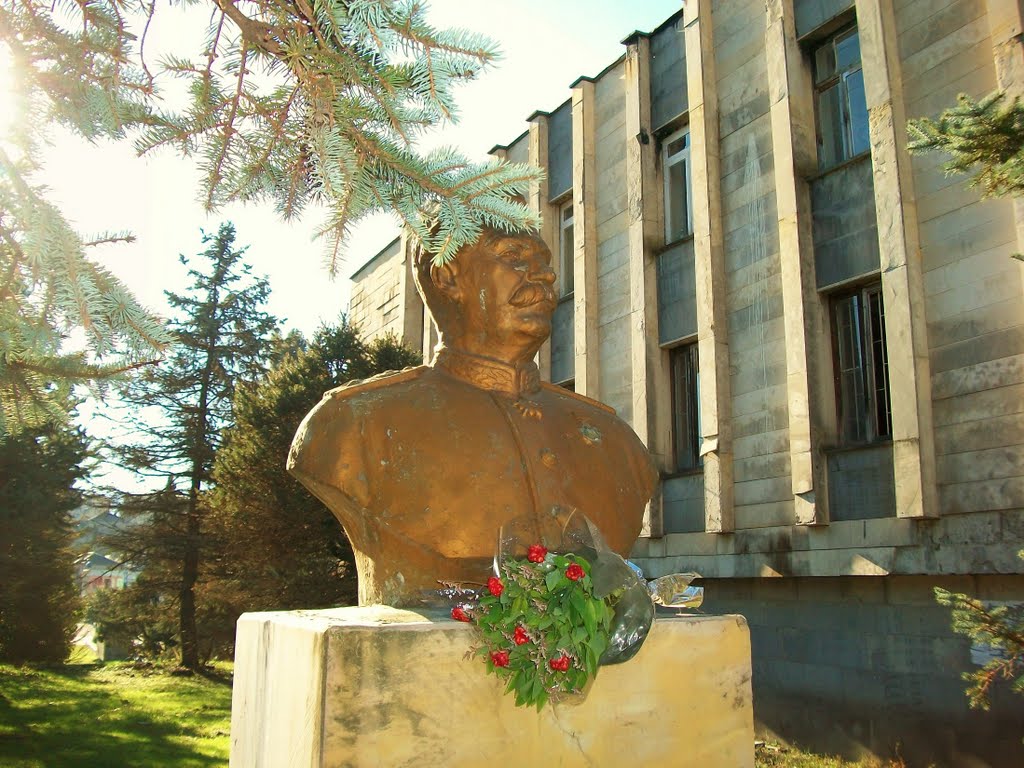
[546, 45]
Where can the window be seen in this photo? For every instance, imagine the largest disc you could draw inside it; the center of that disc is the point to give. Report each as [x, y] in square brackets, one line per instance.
[566, 250]
[862, 366]
[839, 100]
[678, 209]
[686, 437]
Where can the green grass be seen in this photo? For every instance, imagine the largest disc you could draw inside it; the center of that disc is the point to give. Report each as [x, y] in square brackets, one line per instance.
[775, 756]
[112, 715]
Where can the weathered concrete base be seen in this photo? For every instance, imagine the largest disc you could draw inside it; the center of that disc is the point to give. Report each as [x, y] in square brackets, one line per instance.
[377, 686]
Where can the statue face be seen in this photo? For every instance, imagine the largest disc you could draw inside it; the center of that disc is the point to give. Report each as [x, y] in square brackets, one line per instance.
[505, 295]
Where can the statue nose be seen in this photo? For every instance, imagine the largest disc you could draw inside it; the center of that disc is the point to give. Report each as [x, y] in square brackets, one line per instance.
[543, 274]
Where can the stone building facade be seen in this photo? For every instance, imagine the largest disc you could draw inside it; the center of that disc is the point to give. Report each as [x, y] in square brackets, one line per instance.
[819, 336]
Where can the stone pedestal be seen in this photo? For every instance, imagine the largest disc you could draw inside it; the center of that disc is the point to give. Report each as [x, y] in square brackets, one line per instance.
[377, 686]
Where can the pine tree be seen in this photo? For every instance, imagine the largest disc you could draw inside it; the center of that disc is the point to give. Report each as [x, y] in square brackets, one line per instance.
[984, 138]
[38, 586]
[280, 548]
[1000, 628]
[48, 286]
[176, 413]
[294, 102]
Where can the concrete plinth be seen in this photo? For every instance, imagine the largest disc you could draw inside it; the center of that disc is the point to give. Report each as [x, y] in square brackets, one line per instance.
[377, 686]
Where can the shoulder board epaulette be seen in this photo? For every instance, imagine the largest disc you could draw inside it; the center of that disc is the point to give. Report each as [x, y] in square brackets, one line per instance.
[381, 379]
[577, 396]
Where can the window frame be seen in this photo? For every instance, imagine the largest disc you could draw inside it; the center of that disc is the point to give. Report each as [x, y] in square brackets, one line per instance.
[875, 418]
[667, 162]
[839, 78]
[686, 448]
[566, 250]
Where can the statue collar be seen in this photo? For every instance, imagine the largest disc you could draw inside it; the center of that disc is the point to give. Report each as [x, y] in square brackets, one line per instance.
[488, 373]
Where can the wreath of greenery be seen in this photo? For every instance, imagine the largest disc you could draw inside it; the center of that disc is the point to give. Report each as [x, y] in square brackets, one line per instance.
[543, 630]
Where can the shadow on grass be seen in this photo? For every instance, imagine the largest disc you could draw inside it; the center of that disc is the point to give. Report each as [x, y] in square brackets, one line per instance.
[110, 716]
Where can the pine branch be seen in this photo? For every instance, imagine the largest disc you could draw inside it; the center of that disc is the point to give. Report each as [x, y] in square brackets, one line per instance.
[983, 138]
[1002, 629]
[352, 86]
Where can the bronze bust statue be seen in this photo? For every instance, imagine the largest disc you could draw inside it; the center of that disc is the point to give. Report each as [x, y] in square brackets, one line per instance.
[423, 466]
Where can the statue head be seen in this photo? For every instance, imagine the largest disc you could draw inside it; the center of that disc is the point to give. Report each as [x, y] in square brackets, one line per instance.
[495, 298]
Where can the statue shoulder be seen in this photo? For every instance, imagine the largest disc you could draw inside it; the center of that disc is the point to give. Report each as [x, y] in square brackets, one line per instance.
[386, 379]
[327, 453]
[576, 396]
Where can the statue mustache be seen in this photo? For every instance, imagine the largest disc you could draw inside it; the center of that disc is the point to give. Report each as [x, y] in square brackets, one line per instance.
[532, 293]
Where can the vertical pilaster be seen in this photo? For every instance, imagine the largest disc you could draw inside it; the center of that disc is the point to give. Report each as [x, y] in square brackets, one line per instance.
[584, 202]
[412, 304]
[1006, 23]
[793, 148]
[430, 337]
[902, 281]
[712, 325]
[538, 201]
[651, 404]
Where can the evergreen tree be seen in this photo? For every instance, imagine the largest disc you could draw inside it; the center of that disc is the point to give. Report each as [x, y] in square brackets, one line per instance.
[136, 620]
[280, 548]
[999, 627]
[984, 138]
[38, 587]
[176, 413]
[293, 102]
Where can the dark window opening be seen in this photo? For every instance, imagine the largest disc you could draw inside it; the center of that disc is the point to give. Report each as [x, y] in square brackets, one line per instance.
[862, 366]
[686, 428]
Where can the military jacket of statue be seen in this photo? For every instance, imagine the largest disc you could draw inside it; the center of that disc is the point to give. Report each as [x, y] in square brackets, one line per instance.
[423, 467]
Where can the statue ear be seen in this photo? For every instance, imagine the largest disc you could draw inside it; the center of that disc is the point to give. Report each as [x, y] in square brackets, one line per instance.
[444, 278]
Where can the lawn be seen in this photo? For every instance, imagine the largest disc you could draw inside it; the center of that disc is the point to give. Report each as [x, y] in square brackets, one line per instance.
[775, 756]
[112, 715]
[117, 716]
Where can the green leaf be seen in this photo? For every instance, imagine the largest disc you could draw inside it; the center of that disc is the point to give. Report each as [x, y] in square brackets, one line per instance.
[590, 617]
[578, 602]
[519, 606]
[542, 699]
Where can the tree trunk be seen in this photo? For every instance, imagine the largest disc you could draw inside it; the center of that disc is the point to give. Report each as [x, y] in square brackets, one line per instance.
[187, 599]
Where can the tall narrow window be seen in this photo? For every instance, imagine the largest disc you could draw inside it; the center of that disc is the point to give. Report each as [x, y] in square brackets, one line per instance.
[686, 436]
[862, 366]
[678, 209]
[839, 99]
[566, 250]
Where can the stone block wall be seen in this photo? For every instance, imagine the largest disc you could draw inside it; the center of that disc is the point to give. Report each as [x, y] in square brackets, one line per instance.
[384, 300]
[879, 655]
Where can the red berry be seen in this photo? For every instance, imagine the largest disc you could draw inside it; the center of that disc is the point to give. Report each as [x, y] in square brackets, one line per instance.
[499, 658]
[495, 586]
[561, 664]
